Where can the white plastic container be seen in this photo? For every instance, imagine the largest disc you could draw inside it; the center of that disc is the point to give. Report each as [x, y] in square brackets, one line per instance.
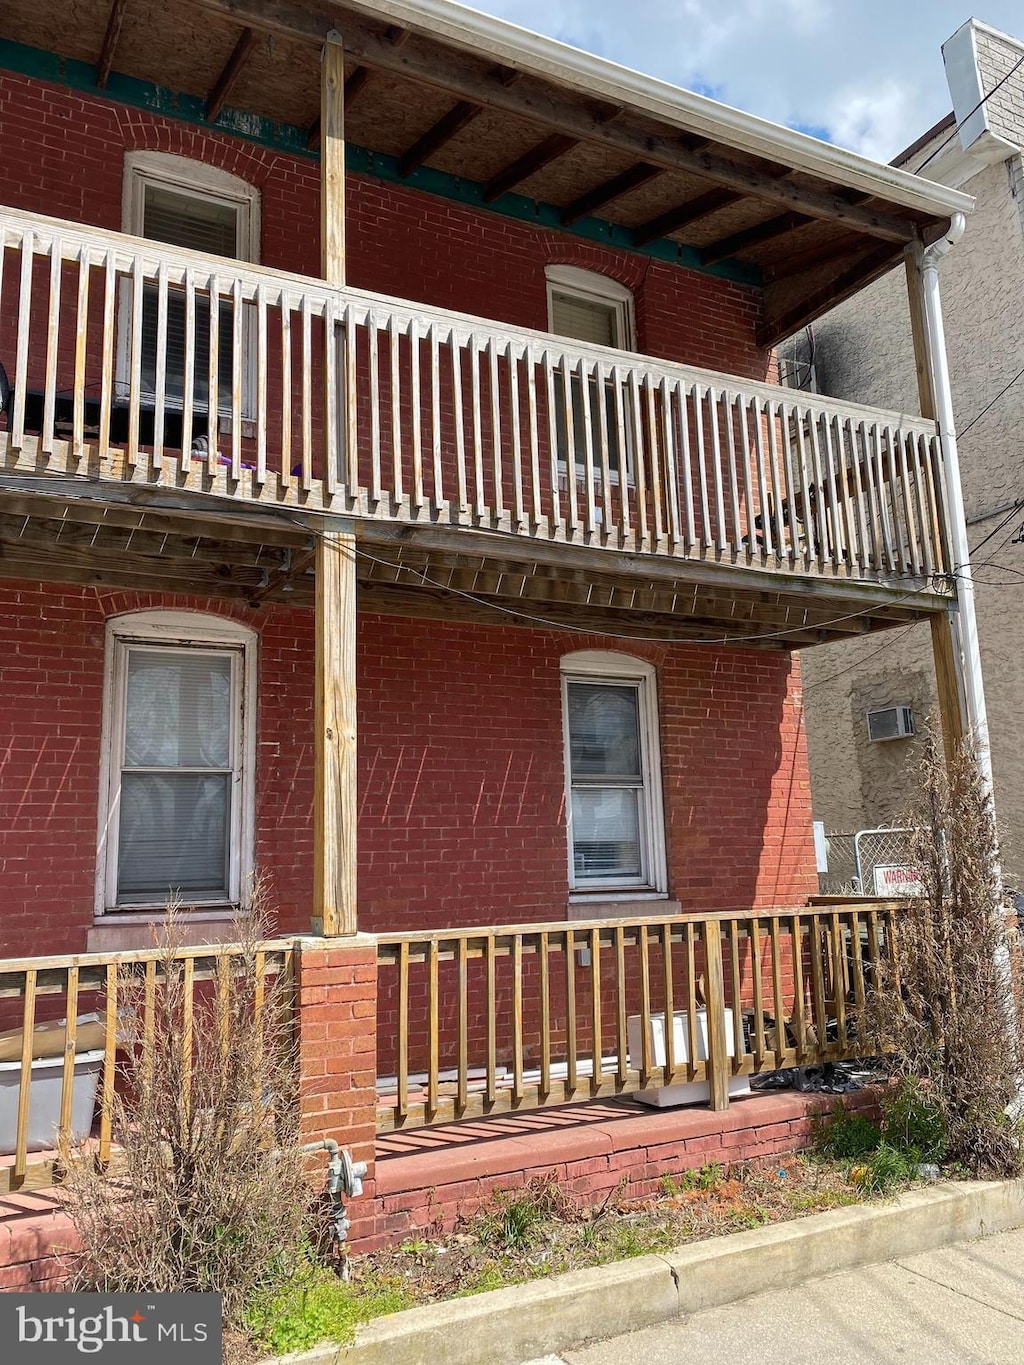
[689, 1092]
[44, 1100]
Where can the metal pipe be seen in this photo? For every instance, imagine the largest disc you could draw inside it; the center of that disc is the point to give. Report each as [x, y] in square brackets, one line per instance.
[968, 652]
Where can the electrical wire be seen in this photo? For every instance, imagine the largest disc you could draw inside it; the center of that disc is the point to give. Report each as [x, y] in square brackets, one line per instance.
[962, 431]
[970, 114]
[890, 640]
[618, 635]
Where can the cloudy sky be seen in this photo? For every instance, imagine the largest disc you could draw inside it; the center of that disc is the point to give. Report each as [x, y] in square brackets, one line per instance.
[866, 74]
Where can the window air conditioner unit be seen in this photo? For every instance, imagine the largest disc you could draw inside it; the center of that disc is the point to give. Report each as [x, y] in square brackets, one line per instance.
[895, 722]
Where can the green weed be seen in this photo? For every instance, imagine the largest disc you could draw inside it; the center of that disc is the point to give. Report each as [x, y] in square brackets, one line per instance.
[913, 1122]
[320, 1307]
[844, 1135]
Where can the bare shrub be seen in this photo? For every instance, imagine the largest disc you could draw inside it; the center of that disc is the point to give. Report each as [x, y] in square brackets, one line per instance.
[208, 1192]
[946, 1007]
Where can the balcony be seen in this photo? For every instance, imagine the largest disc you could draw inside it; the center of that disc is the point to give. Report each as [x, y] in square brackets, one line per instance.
[440, 433]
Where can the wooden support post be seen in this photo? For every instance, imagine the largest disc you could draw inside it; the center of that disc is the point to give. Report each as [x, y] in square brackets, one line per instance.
[334, 796]
[718, 1050]
[947, 684]
[945, 644]
[332, 160]
[915, 299]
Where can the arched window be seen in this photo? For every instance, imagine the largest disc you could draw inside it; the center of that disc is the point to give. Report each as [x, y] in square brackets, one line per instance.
[176, 804]
[590, 307]
[596, 311]
[612, 774]
[186, 203]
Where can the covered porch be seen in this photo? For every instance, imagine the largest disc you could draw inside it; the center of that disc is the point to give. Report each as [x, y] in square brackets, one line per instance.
[535, 1018]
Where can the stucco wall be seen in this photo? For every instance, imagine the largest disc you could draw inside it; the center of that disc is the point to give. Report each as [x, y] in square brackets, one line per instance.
[864, 351]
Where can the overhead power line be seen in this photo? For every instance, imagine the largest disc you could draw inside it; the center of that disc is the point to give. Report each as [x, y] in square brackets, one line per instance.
[984, 100]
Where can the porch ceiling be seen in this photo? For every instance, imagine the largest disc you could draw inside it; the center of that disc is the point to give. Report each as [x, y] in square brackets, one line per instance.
[469, 98]
[443, 575]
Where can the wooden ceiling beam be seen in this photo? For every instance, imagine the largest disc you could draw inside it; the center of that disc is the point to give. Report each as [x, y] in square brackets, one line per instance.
[869, 267]
[84, 513]
[227, 79]
[136, 547]
[439, 604]
[799, 262]
[114, 575]
[539, 101]
[285, 578]
[682, 215]
[746, 238]
[553, 146]
[623, 183]
[835, 588]
[113, 32]
[446, 127]
[511, 584]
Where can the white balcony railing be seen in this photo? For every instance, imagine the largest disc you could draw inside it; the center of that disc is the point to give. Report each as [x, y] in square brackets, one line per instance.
[338, 400]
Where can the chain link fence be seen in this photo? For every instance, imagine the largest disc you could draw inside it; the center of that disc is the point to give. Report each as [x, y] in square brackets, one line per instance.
[870, 862]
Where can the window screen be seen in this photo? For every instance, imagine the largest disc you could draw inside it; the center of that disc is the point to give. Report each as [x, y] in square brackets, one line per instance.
[584, 319]
[176, 775]
[594, 323]
[207, 225]
[606, 781]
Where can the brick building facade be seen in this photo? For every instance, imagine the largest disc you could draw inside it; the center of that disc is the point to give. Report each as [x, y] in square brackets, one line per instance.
[461, 773]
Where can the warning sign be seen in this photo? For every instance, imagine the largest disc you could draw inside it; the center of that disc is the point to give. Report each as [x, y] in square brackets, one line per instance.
[893, 882]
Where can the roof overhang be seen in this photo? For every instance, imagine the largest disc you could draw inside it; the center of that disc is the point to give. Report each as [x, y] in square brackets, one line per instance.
[449, 101]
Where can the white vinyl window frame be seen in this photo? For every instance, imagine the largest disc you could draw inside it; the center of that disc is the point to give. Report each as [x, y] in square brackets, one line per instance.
[614, 669]
[193, 180]
[573, 282]
[178, 631]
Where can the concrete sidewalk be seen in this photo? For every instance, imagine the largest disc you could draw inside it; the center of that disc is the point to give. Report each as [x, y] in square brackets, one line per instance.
[962, 1303]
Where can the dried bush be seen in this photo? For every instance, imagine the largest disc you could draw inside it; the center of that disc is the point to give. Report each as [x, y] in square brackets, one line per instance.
[946, 1006]
[208, 1192]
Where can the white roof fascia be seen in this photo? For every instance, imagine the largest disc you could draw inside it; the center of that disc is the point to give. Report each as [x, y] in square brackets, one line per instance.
[509, 44]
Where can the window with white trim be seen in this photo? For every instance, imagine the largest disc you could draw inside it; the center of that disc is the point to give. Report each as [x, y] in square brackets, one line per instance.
[177, 810]
[187, 204]
[597, 311]
[612, 774]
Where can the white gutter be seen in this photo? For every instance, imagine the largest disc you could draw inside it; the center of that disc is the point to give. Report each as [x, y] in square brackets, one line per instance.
[499, 41]
[969, 655]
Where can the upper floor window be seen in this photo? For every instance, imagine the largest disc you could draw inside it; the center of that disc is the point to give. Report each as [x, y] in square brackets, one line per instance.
[188, 204]
[178, 810]
[612, 774]
[589, 307]
[597, 311]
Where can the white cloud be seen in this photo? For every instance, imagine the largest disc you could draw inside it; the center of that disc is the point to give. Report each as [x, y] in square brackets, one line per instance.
[864, 116]
[867, 74]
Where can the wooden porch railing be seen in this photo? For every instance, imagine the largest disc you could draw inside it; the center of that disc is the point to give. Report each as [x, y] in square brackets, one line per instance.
[493, 1019]
[133, 361]
[49, 1001]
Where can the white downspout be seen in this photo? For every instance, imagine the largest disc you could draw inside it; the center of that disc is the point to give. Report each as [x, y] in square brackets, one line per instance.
[969, 656]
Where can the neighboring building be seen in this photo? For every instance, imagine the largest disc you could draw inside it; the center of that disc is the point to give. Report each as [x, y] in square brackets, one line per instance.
[459, 440]
[863, 351]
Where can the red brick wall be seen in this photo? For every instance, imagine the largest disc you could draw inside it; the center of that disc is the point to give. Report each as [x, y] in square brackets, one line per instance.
[461, 811]
[590, 1150]
[461, 775]
[64, 154]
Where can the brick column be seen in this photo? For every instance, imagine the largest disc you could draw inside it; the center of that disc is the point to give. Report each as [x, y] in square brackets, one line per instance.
[336, 1014]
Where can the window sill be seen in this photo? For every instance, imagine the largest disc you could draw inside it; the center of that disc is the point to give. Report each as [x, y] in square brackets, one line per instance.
[625, 905]
[127, 931]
